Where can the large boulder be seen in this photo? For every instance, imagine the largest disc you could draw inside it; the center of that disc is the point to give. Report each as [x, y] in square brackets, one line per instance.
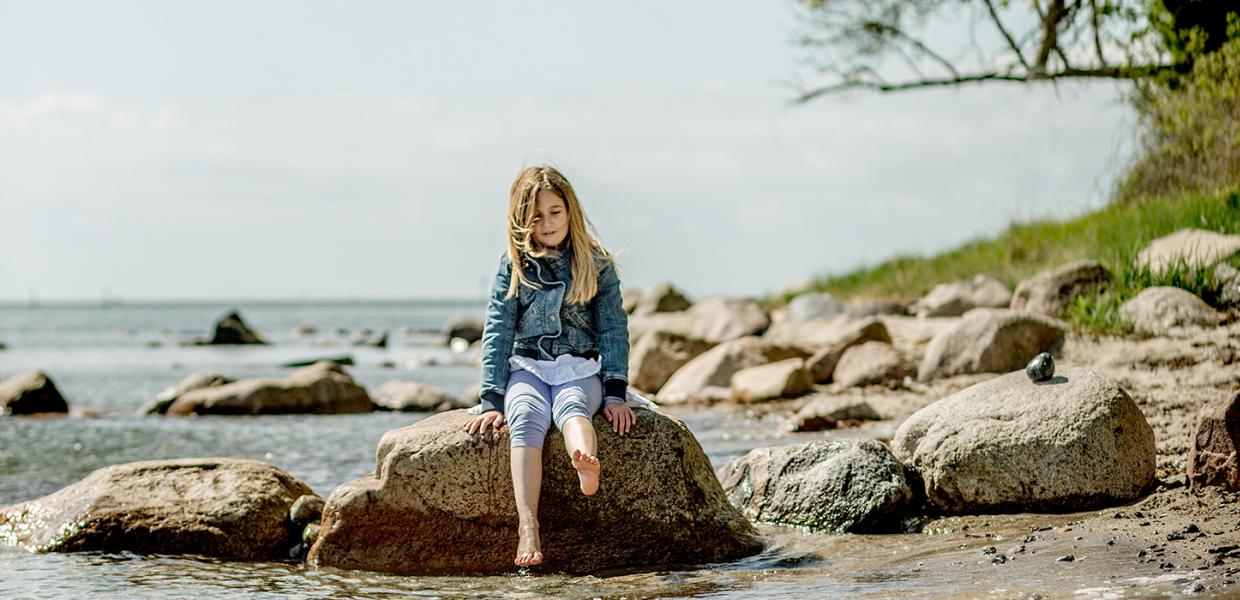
[232, 330]
[1162, 310]
[1049, 292]
[873, 363]
[712, 319]
[1074, 442]
[1212, 460]
[958, 297]
[658, 354]
[990, 341]
[835, 486]
[1190, 248]
[402, 395]
[815, 305]
[223, 507]
[441, 501]
[663, 297]
[781, 379]
[715, 367]
[466, 327]
[31, 392]
[321, 388]
[193, 381]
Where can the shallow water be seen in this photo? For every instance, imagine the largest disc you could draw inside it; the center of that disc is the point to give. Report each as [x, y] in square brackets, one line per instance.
[103, 362]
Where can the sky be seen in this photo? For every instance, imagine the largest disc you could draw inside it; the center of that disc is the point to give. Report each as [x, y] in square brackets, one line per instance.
[154, 150]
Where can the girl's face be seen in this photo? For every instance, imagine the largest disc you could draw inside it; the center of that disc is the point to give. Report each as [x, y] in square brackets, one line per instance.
[551, 222]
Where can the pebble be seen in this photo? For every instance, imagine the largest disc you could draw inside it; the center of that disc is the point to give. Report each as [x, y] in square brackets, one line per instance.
[990, 550]
[1191, 528]
[1171, 537]
[998, 559]
[1065, 558]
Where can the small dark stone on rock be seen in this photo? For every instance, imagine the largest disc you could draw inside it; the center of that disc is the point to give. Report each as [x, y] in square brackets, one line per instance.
[1166, 566]
[1041, 368]
[1191, 528]
[1065, 558]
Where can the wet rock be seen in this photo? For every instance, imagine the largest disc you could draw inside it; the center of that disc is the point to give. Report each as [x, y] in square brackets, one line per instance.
[822, 363]
[441, 501]
[307, 509]
[658, 354]
[990, 341]
[956, 298]
[1041, 368]
[322, 388]
[1166, 310]
[194, 381]
[815, 305]
[310, 534]
[31, 392]
[414, 396]
[873, 363]
[1077, 441]
[222, 507]
[715, 367]
[466, 327]
[232, 330]
[1050, 292]
[713, 319]
[1192, 248]
[835, 486]
[1212, 459]
[781, 379]
[663, 297]
[343, 360]
[830, 412]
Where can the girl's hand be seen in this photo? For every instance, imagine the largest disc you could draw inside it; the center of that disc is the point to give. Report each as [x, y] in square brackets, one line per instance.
[491, 418]
[620, 416]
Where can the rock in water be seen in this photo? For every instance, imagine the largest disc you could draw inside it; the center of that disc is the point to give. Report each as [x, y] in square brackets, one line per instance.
[403, 395]
[441, 501]
[1212, 459]
[194, 381]
[1041, 368]
[321, 388]
[1005, 445]
[223, 507]
[836, 486]
[230, 329]
[466, 327]
[31, 392]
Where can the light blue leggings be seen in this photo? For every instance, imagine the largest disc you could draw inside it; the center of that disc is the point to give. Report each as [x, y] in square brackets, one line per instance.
[530, 405]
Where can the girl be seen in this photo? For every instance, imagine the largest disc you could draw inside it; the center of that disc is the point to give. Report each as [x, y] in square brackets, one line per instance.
[555, 342]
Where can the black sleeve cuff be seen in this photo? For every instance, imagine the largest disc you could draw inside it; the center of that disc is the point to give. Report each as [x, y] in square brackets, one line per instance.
[615, 388]
[492, 401]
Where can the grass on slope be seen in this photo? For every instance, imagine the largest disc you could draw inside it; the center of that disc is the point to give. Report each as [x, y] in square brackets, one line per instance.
[1113, 236]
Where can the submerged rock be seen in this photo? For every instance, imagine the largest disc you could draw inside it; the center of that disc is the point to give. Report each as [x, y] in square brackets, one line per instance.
[990, 341]
[194, 381]
[1074, 442]
[1166, 310]
[836, 486]
[232, 330]
[402, 395]
[441, 501]
[1212, 460]
[321, 388]
[31, 392]
[222, 507]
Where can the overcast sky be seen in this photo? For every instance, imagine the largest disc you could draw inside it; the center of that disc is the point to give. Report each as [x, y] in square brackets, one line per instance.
[179, 150]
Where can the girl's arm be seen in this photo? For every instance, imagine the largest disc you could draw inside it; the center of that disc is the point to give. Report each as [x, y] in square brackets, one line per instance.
[498, 332]
[612, 325]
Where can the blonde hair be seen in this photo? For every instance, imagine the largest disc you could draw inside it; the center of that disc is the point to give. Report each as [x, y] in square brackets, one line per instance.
[581, 242]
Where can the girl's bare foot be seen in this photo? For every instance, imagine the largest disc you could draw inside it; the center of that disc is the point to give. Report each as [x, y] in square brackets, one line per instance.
[587, 471]
[529, 547]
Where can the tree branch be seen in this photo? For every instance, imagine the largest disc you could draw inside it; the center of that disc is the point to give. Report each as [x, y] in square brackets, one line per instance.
[1093, 18]
[994, 16]
[881, 27]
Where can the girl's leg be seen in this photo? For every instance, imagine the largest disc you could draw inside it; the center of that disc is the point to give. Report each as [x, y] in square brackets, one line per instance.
[573, 406]
[527, 404]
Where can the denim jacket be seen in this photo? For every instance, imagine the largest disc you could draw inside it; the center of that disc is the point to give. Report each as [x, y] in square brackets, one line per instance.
[539, 323]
